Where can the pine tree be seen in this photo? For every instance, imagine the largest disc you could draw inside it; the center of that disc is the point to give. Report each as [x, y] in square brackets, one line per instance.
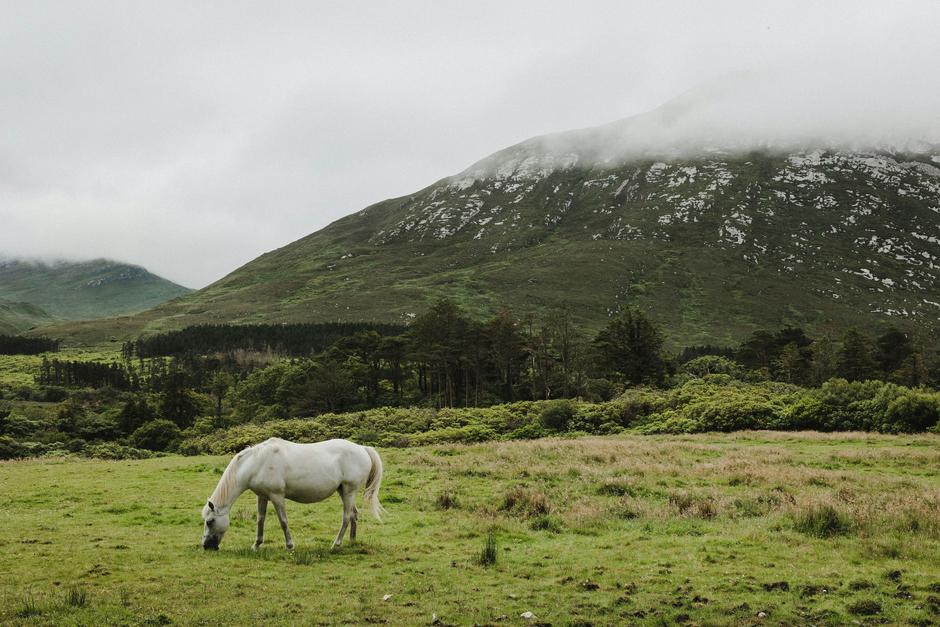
[630, 346]
[823, 363]
[893, 349]
[856, 362]
[791, 366]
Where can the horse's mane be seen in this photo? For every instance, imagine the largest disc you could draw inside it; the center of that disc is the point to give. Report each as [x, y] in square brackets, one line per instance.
[220, 496]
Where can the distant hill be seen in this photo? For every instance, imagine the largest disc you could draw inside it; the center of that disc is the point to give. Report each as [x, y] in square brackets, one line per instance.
[18, 317]
[713, 243]
[34, 293]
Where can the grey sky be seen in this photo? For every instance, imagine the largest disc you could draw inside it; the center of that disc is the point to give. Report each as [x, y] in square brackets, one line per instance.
[191, 137]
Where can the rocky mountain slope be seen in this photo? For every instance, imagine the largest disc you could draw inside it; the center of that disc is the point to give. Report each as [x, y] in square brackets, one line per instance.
[713, 245]
[37, 292]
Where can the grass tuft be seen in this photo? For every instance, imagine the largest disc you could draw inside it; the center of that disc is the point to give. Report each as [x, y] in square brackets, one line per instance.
[694, 505]
[616, 488]
[822, 521]
[447, 500]
[28, 608]
[526, 501]
[548, 523]
[76, 597]
[488, 553]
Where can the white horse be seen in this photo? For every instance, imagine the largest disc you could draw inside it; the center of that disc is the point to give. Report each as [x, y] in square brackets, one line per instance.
[276, 470]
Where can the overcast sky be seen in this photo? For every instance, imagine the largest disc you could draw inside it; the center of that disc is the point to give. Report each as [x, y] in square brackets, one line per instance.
[190, 137]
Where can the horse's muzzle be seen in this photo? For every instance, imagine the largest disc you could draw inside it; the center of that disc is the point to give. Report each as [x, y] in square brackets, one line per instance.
[211, 544]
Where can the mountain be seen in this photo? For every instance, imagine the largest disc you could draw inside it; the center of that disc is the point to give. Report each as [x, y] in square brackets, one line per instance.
[35, 292]
[713, 243]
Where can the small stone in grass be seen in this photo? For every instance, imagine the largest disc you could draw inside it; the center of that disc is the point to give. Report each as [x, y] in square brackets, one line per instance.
[527, 615]
[762, 615]
[386, 597]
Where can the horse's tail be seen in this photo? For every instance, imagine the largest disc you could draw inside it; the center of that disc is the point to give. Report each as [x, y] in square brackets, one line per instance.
[371, 493]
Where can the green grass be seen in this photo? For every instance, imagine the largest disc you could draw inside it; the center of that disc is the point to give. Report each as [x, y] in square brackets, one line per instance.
[614, 530]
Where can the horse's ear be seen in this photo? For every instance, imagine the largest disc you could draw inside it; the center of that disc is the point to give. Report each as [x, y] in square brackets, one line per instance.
[211, 506]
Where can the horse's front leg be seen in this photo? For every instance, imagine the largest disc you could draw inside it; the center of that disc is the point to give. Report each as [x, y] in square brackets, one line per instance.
[262, 512]
[282, 517]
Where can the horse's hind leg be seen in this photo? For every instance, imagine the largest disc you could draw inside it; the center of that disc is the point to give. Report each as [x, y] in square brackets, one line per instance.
[282, 517]
[352, 521]
[349, 508]
[262, 512]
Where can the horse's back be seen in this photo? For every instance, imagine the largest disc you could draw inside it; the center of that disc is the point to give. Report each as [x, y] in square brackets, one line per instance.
[310, 472]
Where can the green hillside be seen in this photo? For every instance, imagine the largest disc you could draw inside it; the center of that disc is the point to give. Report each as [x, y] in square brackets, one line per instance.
[16, 317]
[77, 291]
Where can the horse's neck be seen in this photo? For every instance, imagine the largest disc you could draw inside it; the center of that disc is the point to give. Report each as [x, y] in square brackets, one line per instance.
[234, 481]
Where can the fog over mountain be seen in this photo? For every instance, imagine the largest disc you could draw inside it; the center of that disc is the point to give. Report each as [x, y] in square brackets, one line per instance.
[746, 111]
[191, 138]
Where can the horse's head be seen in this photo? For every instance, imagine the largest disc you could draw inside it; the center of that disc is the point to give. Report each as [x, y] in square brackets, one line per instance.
[216, 524]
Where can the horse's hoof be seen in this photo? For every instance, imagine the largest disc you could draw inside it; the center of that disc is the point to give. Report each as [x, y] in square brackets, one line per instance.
[255, 547]
[335, 546]
[290, 547]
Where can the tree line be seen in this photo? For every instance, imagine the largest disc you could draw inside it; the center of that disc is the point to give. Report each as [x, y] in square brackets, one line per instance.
[296, 340]
[446, 358]
[18, 345]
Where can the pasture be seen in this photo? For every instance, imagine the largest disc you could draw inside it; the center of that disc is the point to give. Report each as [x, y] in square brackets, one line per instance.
[744, 528]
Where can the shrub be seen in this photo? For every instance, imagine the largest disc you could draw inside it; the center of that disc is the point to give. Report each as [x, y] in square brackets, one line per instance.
[669, 421]
[156, 435]
[51, 394]
[94, 426]
[822, 521]
[732, 411]
[75, 445]
[528, 432]
[11, 449]
[911, 411]
[113, 450]
[467, 434]
[600, 390]
[16, 425]
[557, 415]
[593, 418]
[712, 364]
[638, 403]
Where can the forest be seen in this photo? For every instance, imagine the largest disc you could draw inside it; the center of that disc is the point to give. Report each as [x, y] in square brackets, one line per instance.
[452, 377]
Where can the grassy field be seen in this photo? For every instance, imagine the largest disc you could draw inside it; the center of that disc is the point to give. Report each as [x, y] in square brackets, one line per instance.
[748, 528]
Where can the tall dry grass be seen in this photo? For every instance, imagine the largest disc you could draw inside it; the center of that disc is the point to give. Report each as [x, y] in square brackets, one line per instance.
[862, 480]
